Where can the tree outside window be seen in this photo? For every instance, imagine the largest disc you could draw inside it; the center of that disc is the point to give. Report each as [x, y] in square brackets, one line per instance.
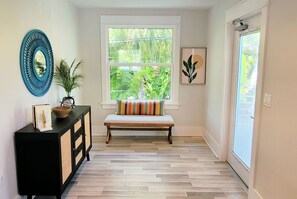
[140, 63]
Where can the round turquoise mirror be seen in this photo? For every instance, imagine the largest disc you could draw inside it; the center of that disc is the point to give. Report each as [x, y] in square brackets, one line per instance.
[37, 63]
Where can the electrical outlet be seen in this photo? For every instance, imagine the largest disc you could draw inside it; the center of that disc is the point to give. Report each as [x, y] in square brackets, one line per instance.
[1, 178]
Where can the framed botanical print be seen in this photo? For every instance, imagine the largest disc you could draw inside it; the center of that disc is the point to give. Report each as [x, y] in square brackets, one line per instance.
[193, 65]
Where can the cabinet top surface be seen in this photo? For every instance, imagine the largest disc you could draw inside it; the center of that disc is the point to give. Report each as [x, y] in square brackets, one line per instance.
[59, 125]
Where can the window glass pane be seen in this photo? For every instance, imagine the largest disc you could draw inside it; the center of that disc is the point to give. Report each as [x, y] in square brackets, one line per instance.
[246, 97]
[135, 82]
[140, 45]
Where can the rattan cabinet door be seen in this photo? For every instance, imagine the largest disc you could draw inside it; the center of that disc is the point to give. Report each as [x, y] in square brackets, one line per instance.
[66, 157]
[87, 130]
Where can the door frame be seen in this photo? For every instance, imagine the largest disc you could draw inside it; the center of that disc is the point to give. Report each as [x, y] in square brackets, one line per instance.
[244, 9]
[243, 170]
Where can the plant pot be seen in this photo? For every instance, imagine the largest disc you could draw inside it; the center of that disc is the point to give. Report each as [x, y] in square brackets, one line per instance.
[68, 101]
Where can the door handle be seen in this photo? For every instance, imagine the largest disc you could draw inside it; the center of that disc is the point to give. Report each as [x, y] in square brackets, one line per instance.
[252, 117]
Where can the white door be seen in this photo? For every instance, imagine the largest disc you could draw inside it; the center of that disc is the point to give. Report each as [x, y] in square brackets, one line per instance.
[246, 54]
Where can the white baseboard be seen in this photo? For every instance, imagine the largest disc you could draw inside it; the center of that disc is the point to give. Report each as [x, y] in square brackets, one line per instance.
[254, 194]
[176, 131]
[187, 131]
[213, 145]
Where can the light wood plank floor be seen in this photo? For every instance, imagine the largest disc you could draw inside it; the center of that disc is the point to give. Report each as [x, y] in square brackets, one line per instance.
[149, 167]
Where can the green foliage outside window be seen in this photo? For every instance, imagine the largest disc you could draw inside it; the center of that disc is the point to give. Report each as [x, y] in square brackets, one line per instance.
[140, 82]
[249, 62]
[140, 63]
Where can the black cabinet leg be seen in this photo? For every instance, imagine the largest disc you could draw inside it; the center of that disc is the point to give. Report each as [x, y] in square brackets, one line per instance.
[29, 196]
[88, 157]
[58, 196]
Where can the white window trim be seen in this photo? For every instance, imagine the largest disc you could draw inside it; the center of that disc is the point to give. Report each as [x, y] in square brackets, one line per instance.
[173, 22]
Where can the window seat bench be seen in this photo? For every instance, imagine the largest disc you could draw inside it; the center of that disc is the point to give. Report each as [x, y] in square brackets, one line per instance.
[138, 123]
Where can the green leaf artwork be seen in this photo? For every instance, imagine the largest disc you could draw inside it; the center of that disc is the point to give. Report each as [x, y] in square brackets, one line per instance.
[190, 69]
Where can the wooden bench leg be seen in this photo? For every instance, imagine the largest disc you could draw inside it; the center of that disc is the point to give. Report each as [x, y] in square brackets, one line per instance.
[169, 135]
[108, 134]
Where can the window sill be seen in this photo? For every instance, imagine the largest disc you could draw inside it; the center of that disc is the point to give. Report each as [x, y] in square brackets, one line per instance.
[112, 105]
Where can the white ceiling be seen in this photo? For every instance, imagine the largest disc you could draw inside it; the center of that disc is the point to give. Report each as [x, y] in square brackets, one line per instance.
[171, 4]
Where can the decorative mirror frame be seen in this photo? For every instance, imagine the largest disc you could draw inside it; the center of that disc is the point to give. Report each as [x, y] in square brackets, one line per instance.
[35, 41]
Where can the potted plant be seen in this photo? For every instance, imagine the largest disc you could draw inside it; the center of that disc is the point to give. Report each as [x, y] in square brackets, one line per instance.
[69, 78]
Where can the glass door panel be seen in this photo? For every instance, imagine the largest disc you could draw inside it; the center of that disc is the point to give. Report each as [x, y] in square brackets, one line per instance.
[246, 95]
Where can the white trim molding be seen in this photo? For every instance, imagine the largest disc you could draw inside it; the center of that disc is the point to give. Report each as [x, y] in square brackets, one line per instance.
[254, 194]
[244, 9]
[172, 22]
[187, 131]
[229, 33]
[211, 142]
[258, 107]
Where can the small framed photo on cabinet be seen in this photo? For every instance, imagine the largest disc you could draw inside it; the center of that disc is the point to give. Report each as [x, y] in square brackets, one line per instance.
[42, 118]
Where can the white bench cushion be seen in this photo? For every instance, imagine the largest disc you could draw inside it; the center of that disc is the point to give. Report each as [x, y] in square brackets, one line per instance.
[145, 119]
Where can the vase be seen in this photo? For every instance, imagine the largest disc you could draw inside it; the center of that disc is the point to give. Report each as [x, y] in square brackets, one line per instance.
[68, 101]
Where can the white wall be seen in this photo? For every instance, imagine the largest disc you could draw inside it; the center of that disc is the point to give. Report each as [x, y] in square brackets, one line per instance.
[215, 74]
[189, 117]
[275, 174]
[275, 169]
[58, 20]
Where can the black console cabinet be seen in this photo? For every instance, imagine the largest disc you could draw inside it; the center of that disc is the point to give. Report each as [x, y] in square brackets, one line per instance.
[46, 161]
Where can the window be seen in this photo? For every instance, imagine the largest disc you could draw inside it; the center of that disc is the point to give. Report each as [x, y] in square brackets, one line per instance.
[140, 59]
[140, 62]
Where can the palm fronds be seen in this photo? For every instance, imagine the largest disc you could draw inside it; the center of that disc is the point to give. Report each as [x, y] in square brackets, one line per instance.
[67, 76]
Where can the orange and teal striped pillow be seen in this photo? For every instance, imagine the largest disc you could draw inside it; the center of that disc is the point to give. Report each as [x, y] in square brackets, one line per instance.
[145, 107]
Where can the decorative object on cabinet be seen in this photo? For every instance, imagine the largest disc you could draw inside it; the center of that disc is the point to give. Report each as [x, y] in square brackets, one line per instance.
[61, 111]
[37, 62]
[42, 118]
[69, 78]
[193, 65]
[46, 162]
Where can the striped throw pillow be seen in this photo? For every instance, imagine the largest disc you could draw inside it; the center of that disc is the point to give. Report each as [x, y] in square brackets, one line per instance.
[145, 107]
